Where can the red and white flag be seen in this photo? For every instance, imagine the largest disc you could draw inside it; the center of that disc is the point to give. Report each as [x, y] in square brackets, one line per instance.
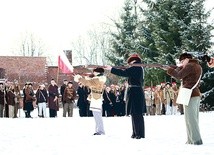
[63, 64]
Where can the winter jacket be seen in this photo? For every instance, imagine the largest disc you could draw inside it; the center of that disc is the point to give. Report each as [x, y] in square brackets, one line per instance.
[69, 95]
[189, 75]
[10, 98]
[41, 96]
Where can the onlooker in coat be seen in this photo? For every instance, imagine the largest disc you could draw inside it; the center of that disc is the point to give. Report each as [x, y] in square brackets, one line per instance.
[163, 107]
[2, 99]
[112, 97]
[122, 102]
[107, 103]
[62, 89]
[89, 112]
[149, 97]
[42, 99]
[158, 97]
[189, 72]
[24, 98]
[136, 98]
[117, 103]
[53, 99]
[29, 98]
[82, 102]
[125, 96]
[6, 107]
[11, 100]
[17, 98]
[168, 97]
[175, 106]
[69, 100]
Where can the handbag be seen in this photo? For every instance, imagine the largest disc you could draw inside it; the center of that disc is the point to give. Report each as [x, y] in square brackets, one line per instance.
[184, 94]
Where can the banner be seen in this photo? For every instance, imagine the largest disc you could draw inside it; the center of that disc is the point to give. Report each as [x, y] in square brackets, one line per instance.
[63, 64]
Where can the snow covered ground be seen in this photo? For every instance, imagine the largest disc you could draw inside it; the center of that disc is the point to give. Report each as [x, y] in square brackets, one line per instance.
[165, 135]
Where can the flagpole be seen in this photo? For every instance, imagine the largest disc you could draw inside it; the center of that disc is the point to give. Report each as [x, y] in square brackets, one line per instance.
[57, 76]
[58, 66]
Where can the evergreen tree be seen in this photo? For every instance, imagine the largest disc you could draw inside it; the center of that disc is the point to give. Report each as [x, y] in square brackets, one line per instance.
[178, 26]
[123, 39]
[129, 38]
[207, 86]
[165, 20]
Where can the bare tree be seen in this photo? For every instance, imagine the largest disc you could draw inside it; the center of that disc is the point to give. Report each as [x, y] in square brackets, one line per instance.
[30, 45]
[92, 48]
[79, 52]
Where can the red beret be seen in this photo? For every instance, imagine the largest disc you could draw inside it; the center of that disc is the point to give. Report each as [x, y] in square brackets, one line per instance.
[134, 57]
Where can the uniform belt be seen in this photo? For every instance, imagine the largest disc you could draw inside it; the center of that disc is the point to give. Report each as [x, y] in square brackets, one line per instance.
[134, 86]
[98, 92]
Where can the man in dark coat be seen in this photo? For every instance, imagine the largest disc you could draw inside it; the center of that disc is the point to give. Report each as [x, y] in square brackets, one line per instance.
[2, 99]
[135, 96]
[53, 99]
[82, 101]
[62, 89]
[29, 98]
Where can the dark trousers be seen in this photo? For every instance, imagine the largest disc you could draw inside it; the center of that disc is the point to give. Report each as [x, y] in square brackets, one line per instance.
[138, 125]
[83, 111]
[52, 113]
[28, 108]
[163, 111]
[6, 111]
[27, 114]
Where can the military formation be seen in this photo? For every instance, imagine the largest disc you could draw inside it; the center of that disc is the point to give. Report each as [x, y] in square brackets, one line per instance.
[94, 98]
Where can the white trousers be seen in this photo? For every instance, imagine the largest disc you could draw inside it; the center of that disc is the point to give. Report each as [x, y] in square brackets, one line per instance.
[42, 108]
[99, 128]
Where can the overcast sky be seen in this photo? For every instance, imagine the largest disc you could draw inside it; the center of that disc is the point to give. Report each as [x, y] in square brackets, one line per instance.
[56, 22]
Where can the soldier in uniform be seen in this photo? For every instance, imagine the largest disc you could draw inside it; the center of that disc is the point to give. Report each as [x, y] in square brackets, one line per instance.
[135, 95]
[96, 84]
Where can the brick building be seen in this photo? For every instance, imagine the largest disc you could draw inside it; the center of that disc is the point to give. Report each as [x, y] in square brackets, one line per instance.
[33, 69]
[23, 69]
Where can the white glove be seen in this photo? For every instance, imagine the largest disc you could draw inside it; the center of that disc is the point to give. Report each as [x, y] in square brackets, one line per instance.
[77, 77]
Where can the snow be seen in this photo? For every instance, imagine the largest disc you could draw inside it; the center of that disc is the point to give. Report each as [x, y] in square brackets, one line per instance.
[165, 135]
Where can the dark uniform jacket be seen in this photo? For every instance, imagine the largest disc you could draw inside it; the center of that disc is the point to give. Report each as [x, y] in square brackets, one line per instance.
[135, 95]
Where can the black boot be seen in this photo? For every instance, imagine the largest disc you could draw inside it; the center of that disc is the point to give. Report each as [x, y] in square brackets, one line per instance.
[26, 115]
